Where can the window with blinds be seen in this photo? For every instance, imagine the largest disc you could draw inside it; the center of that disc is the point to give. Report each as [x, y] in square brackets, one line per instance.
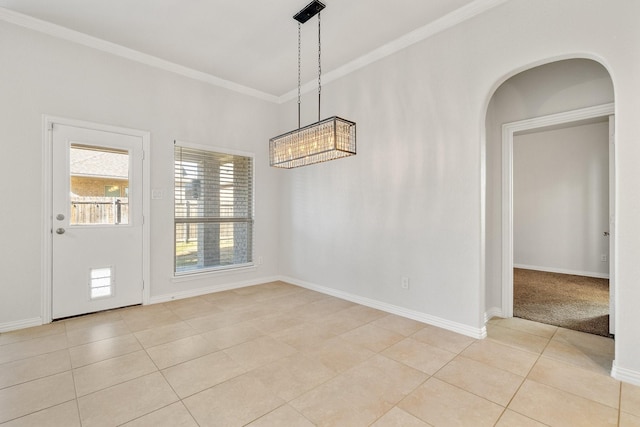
[213, 210]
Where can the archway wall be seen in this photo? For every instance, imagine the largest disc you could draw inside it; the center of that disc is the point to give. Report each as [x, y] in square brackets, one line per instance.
[547, 89]
[413, 203]
[604, 32]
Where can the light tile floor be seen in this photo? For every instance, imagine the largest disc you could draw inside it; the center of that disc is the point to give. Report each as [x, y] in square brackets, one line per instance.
[280, 355]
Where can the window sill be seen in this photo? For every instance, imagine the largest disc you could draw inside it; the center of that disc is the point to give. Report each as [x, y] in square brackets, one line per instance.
[214, 272]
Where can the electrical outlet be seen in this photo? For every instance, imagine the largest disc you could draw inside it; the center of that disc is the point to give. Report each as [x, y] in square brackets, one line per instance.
[404, 283]
[603, 258]
[260, 260]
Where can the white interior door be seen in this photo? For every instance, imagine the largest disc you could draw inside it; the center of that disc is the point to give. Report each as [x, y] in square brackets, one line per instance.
[97, 261]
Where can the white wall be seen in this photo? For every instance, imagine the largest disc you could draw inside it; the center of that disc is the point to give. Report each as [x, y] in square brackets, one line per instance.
[42, 75]
[411, 202]
[561, 199]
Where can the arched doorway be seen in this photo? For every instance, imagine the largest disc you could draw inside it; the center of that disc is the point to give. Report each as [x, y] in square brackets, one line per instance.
[550, 97]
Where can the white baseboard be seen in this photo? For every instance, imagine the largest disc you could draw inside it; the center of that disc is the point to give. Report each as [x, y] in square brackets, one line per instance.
[478, 333]
[20, 324]
[37, 321]
[626, 375]
[562, 271]
[209, 289]
[492, 312]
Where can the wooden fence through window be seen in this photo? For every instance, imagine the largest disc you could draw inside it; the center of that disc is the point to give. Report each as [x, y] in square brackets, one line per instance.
[99, 210]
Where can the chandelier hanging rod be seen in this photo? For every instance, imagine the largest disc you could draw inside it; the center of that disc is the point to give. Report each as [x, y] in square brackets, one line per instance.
[308, 12]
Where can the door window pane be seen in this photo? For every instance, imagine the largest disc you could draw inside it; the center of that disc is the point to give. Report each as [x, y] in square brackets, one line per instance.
[99, 185]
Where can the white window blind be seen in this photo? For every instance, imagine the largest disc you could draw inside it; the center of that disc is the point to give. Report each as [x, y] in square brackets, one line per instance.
[213, 210]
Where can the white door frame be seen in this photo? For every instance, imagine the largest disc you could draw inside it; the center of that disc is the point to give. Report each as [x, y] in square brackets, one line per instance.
[508, 131]
[612, 224]
[47, 212]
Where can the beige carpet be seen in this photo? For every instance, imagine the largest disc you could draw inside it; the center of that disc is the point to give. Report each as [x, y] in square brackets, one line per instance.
[574, 302]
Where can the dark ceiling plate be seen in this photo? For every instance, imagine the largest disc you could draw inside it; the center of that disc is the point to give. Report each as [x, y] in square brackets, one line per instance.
[309, 11]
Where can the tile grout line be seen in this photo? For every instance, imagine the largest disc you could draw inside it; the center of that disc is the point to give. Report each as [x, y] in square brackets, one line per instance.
[524, 379]
[529, 372]
[433, 376]
[540, 356]
[619, 404]
[75, 390]
[405, 397]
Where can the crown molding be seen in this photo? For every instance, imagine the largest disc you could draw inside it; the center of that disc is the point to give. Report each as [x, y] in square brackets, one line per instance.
[125, 52]
[456, 17]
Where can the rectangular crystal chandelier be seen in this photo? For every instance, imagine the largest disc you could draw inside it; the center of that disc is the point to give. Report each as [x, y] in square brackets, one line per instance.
[325, 140]
[322, 141]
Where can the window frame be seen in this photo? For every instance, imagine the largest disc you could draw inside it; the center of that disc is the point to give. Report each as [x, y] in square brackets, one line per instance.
[220, 269]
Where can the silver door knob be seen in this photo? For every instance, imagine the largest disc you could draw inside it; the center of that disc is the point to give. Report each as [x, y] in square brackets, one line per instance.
[60, 230]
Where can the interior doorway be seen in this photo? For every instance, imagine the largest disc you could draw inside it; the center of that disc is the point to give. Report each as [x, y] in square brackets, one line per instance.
[561, 225]
[539, 246]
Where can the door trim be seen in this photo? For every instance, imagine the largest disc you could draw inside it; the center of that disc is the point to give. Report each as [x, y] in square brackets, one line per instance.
[47, 213]
[508, 131]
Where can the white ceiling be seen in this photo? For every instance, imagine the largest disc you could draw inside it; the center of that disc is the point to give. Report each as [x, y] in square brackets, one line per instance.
[252, 43]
